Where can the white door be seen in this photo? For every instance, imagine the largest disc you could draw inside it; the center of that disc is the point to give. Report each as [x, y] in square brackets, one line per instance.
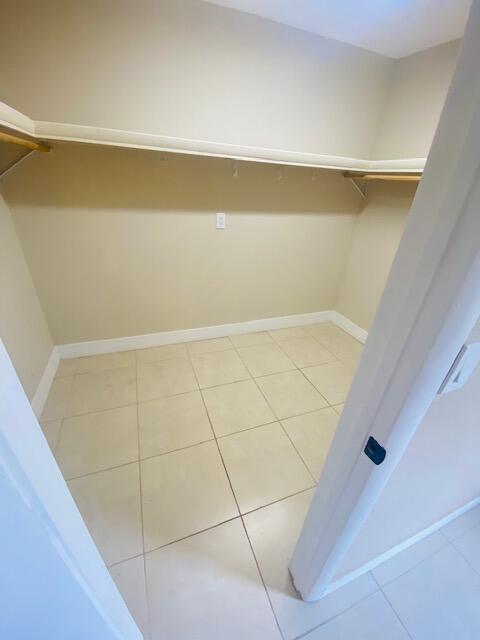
[47, 556]
[430, 304]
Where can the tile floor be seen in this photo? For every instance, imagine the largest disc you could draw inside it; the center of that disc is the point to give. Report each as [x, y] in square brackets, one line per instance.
[193, 466]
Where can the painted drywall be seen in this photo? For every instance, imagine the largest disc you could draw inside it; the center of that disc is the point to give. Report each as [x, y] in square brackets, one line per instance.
[378, 230]
[124, 243]
[384, 27]
[23, 327]
[190, 69]
[418, 87]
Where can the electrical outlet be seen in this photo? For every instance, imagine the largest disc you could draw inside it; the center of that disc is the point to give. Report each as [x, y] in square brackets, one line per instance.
[221, 219]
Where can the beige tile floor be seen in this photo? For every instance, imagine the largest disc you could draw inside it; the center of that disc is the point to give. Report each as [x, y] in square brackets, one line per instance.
[193, 466]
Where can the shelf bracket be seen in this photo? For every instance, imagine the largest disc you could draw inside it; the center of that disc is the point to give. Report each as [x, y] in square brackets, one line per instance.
[362, 192]
[15, 163]
[30, 145]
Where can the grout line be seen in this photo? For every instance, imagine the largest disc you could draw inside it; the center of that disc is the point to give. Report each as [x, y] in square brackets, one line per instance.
[149, 624]
[264, 424]
[304, 635]
[107, 370]
[88, 413]
[452, 544]
[262, 579]
[468, 528]
[299, 454]
[252, 375]
[289, 439]
[214, 386]
[122, 406]
[218, 524]
[397, 615]
[187, 353]
[192, 535]
[76, 375]
[97, 471]
[200, 353]
[277, 373]
[117, 562]
[240, 514]
[174, 395]
[269, 504]
[318, 364]
[255, 344]
[191, 446]
[139, 460]
[381, 589]
[316, 389]
[257, 426]
[188, 446]
[200, 390]
[67, 399]
[400, 575]
[56, 444]
[217, 445]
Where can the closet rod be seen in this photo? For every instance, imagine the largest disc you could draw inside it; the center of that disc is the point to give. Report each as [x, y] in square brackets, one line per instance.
[399, 177]
[23, 142]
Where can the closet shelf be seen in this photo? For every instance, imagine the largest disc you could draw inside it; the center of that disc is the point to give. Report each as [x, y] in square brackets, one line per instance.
[18, 122]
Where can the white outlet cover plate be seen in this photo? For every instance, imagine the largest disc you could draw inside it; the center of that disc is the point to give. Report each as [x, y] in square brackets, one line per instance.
[221, 220]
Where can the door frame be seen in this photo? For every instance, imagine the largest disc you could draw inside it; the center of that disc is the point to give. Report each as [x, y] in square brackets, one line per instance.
[430, 304]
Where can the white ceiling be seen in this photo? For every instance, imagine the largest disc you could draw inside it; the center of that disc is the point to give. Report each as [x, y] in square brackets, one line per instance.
[394, 28]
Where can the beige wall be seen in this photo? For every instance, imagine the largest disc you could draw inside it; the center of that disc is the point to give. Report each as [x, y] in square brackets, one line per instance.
[23, 329]
[418, 87]
[378, 230]
[190, 69]
[123, 243]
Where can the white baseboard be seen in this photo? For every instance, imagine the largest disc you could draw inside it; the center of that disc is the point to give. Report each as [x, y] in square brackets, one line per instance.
[127, 343]
[401, 547]
[349, 326]
[43, 389]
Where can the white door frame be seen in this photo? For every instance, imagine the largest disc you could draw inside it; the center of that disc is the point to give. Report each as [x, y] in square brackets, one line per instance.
[430, 305]
[57, 583]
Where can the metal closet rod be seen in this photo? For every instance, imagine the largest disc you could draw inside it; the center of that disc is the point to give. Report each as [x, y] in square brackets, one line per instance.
[24, 142]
